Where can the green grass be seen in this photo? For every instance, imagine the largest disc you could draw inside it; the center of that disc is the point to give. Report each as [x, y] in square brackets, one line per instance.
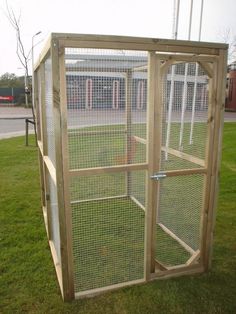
[27, 278]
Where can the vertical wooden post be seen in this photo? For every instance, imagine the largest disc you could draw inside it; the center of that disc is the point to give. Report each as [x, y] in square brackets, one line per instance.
[61, 170]
[214, 164]
[208, 158]
[153, 158]
[128, 127]
[65, 160]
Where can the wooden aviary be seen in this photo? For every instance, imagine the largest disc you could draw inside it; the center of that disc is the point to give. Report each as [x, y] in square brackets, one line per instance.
[129, 136]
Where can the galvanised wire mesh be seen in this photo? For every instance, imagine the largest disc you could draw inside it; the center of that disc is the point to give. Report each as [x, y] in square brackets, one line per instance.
[55, 232]
[39, 106]
[108, 241]
[106, 109]
[185, 114]
[54, 227]
[180, 205]
[49, 111]
[98, 186]
[184, 137]
[97, 111]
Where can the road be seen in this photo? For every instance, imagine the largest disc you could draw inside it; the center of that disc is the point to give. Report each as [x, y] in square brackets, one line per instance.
[12, 119]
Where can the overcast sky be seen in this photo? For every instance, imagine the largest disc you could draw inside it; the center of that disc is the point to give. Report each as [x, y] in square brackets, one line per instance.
[144, 18]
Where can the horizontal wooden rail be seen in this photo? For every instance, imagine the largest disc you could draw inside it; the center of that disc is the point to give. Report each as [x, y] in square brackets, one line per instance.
[187, 57]
[140, 68]
[185, 172]
[98, 199]
[111, 169]
[94, 132]
[96, 291]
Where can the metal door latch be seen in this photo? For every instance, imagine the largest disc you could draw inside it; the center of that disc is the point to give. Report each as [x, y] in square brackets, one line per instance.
[158, 176]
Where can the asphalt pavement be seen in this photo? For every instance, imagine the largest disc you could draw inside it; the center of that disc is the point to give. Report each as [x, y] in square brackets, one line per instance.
[12, 119]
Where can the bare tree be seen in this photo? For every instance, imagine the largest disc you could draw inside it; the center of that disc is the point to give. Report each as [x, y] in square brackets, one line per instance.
[22, 55]
[227, 36]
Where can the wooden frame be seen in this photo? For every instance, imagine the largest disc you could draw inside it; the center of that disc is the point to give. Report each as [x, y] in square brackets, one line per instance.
[212, 58]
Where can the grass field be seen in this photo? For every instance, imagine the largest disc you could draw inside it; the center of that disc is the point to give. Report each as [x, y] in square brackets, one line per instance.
[27, 278]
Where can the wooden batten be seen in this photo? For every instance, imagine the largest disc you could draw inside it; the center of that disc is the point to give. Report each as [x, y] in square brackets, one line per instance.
[97, 291]
[140, 139]
[57, 265]
[176, 238]
[207, 67]
[194, 258]
[176, 271]
[44, 54]
[97, 132]
[153, 158]
[111, 169]
[59, 128]
[215, 157]
[51, 169]
[66, 178]
[175, 58]
[138, 203]
[208, 159]
[185, 172]
[137, 43]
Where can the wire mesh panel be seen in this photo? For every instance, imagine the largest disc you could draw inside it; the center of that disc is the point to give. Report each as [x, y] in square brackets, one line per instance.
[52, 211]
[49, 111]
[97, 113]
[185, 89]
[178, 218]
[106, 106]
[185, 113]
[108, 238]
[39, 105]
[54, 219]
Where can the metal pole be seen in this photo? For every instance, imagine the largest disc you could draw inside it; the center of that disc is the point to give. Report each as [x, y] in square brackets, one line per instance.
[195, 80]
[172, 80]
[185, 88]
[200, 23]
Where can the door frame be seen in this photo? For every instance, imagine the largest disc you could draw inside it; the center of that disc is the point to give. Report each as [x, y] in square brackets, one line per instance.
[158, 65]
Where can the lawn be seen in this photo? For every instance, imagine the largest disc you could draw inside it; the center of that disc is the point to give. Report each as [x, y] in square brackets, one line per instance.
[27, 278]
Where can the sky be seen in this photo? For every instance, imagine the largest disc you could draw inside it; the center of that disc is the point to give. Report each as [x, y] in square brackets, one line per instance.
[142, 18]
